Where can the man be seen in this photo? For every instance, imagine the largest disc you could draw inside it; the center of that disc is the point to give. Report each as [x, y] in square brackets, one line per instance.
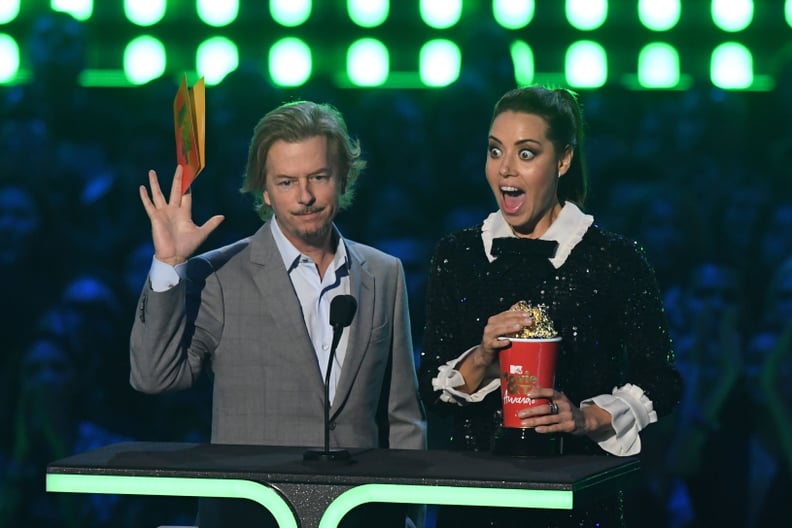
[258, 310]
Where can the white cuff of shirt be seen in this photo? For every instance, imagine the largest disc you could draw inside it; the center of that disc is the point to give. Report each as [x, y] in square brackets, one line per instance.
[449, 377]
[164, 276]
[631, 410]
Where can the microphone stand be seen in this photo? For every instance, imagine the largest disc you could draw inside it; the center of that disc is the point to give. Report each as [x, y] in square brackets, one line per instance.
[327, 454]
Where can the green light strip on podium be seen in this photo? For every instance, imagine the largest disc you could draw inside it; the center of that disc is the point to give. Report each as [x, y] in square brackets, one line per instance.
[444, 495]
[177, 487]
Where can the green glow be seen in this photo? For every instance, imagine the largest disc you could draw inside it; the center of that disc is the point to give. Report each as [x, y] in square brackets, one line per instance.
[523, 59]
[513, 14]
[368, 62]
[586, 65]
[9, 58]
[658, 66]
[9, 10]
[439, 63]
[176, 487]
[732, 15]
[217, 14]
[144, 59]
[91, 78]
[659, 15]
[731, 66]
[144, 13]
[443, 495]
[290, 13]
[290, 62]
[368, 13]
[440, 14]
[788, 12]
[79, 9]
[586, 15]
[215, 58]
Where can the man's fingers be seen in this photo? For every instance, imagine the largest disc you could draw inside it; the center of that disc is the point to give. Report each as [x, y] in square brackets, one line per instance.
[144, 197]
[157, 198]
[176, 194]
[211, 224]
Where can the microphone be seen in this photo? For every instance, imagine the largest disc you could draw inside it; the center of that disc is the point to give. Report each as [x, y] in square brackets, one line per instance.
[342, 311]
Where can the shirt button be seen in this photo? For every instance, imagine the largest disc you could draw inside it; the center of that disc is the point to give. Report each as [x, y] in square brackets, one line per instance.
[332, 426]
[325, 347]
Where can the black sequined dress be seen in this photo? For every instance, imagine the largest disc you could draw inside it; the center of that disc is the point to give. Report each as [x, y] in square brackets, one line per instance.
[603, 300]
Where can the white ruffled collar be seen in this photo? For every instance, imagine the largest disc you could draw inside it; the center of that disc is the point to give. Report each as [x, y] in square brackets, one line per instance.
[568, 229]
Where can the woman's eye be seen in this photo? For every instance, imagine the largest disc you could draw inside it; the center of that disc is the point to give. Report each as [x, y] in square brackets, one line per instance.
[494, 152]
[526, 154]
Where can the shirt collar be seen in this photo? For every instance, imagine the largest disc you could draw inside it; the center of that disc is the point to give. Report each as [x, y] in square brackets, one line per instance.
[567, 229]
[291, 255]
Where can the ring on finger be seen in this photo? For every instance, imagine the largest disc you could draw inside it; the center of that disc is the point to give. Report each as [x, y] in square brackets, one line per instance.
[553, 407]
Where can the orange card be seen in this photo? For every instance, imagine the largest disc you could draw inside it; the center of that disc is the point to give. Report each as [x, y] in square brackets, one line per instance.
[189, 119]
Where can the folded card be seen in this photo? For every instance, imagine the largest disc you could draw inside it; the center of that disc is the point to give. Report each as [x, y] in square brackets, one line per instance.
[189, 118]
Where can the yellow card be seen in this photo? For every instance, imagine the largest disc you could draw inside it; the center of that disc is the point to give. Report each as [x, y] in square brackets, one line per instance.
[189, 118]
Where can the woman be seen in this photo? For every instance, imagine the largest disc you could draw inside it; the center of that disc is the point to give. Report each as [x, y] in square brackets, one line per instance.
[615, 372]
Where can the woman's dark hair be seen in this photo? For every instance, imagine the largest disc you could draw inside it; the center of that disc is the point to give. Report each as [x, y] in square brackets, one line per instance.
[562, 112]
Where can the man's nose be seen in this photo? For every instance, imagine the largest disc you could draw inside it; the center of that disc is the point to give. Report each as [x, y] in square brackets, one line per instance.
[306, 192]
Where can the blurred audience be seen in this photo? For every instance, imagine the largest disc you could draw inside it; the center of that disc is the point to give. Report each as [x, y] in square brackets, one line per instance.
[679, 171]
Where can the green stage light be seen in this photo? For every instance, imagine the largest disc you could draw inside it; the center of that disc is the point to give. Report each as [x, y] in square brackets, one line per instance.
[368, 13]
[368, 62]
[144, 13]
[586, 15]
[9, 10]
[290, 62]
[731, 66]
[732, 15]
[659, 15]
[586, 65]
[144, 59]
[439, 63]
[658, 66]
[523, 59]
[215, 58]
[79, 9]
[9, 58]
[788, 12]
[513, 14]
[440, 14]
[217, 14]
[290, 13]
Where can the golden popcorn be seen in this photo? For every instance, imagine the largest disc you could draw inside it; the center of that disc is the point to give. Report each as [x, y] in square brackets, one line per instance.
[543, 326]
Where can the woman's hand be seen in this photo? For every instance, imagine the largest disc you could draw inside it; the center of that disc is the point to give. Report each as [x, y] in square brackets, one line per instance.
[569, 418]
[175, 235]
[474, 366]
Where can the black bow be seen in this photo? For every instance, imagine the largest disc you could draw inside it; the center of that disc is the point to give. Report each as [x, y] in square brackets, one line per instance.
[534, 247]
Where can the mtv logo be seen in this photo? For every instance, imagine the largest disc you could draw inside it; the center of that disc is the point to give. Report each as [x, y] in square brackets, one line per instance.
[515, 369]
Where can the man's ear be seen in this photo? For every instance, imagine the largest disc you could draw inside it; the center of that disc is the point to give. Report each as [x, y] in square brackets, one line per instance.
[267, 199]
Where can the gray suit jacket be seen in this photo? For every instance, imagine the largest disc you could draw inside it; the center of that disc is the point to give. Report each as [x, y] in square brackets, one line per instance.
[238, 313]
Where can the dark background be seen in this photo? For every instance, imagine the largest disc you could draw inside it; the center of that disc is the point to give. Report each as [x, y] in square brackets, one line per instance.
[699, 176]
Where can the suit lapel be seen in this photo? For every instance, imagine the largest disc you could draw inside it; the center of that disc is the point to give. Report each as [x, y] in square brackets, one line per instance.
[362, 288]
[272, 280]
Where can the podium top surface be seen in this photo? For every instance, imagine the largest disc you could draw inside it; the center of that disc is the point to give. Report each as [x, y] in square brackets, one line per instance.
[278, 464]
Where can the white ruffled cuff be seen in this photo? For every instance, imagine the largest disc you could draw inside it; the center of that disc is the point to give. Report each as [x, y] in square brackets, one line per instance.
[449, 377]
[631, 410]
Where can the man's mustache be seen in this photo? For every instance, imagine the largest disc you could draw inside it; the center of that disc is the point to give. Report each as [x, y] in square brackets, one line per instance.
[308, 210]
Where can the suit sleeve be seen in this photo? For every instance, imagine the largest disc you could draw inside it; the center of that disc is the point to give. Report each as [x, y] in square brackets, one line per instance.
[174, 331]
[407, 422]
